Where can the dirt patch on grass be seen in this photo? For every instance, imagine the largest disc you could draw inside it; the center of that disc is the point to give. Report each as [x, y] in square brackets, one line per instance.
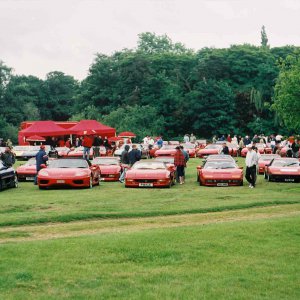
[80, 228]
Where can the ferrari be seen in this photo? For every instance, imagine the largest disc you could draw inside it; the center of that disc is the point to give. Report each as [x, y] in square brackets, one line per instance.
[209, 149]
[283, 169]
[264, 160]
[220, 173]
[260, 147]
[110, 168]
[72, 172]
[166, 150]
[27, 171]
[150, 174]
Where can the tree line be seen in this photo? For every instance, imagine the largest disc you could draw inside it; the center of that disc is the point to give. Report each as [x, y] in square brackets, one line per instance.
[161, 87]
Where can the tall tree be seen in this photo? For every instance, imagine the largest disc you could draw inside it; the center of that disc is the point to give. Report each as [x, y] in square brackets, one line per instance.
[264, 38]
[287, 92]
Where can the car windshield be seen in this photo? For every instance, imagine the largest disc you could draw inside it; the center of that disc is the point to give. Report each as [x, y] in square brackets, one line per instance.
[149, 165]
[68, 163]
[105, 161]
[214, 164]
[267, 158]
[168, 160]
[213, 146]
[221, 156]
[168, 147]
[285, 163]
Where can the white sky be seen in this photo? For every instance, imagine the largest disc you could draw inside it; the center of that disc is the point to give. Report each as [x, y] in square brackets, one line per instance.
[40, 36]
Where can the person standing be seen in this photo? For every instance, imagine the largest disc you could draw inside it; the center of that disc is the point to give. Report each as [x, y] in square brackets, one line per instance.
[7, 157]
[106, 143]
[180, 164]
[192, 138]
[251, 161]
[186, 138]
[295, 148]
[41, 158]
[225, 149]
[96, 146]
[159, 142]
[186, 157]
[228, 138]
[125, 162]
[134, 155]
[87, 145]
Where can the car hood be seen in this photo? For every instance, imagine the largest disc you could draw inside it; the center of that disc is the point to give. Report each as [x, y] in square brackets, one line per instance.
[145, 174]
[65, 172]
[26, 168]
[285, 170]
[109, 169]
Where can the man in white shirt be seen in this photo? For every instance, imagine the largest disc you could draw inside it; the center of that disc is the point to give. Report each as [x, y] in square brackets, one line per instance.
[251, 161]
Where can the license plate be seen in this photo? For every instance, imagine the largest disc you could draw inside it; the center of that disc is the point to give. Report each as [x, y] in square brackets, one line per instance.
[60, 181]
[29, 178]
[222, 184]
[289, 179]
[146, 184]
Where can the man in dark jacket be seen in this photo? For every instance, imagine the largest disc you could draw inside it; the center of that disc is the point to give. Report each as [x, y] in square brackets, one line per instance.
[41, 158]
[225, 149]
[125, 162]
[96, 146]
[8, 157]
[134, 155]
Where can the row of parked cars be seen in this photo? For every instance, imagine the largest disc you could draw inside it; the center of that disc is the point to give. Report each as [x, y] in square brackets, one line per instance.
[216, 170]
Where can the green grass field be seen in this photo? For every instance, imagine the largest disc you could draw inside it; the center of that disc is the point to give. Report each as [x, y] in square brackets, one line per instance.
[187, 242]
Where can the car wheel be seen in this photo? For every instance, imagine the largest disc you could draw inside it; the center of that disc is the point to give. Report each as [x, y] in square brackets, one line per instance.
[91, 182]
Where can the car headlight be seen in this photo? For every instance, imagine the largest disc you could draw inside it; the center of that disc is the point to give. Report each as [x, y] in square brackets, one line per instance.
[81, 173]
[43, 173]
[208, 176]
[236, 176]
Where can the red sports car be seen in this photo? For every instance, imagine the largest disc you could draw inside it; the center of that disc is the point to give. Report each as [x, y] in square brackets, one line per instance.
[62, 151]
[220, 173]
[110, 167]
[283, 169]
[233, 148]
[219, 157]
[150, 174]
[27, 171]
[78, 152]
[166, 150]
[73, 172]
[190, 149]
[264, 160]
[210, 149]
[201, 143]
[261, 149]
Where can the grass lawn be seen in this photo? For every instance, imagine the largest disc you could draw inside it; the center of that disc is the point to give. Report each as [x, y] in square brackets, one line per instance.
[187, 242]
[28, 204]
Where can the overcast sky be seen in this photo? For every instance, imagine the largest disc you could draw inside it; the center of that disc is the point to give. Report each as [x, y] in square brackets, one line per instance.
[40, 36]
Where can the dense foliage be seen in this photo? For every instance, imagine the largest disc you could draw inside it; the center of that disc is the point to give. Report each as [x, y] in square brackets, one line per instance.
[164, 88]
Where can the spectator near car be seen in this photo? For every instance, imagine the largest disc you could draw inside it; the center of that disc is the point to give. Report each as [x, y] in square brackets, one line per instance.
[134, 155]
[180, 163]
[125, 162]
[87, 145]
[7, 157]
[225, 149]
[96, 146]
[41, 158]
[295, 148]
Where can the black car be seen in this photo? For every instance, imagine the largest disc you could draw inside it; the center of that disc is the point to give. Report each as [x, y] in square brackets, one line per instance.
[8, 177]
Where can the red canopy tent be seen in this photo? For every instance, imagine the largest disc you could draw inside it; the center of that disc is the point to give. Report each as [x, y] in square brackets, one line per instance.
[127, 134]
[92, 126]
[43, 128]
[35, 138]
